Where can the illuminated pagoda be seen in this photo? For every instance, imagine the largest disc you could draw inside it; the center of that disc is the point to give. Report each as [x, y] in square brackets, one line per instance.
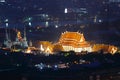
[74, 41]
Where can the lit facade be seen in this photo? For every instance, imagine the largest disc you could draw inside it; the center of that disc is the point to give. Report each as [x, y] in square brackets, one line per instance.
[74, 41]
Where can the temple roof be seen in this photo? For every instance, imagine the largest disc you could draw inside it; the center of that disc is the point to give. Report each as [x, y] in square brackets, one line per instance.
[74, 39]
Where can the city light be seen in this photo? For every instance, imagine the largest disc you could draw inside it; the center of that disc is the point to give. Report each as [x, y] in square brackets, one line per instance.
[6, 24]
[66, 10]
[6, 20]
[46, 24]
[2, 0]
[100, 21]
[29, 23]
[55, 66]
[56, 26]
[28, 51]
[29, 18]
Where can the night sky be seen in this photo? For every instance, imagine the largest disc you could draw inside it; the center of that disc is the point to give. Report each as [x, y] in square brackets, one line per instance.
[97, 19]
[20, 9]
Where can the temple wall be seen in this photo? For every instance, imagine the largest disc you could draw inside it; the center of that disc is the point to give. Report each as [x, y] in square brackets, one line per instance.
[70, 48]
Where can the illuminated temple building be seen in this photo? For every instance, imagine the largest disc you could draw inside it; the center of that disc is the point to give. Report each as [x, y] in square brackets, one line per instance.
[74, 41]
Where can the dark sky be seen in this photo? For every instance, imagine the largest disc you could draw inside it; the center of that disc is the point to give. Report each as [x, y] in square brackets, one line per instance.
[17, 10]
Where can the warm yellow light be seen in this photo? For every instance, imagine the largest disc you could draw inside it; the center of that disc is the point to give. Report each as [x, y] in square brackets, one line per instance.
[19, 35]
[113, 50]
[48, 50]
[28, 51]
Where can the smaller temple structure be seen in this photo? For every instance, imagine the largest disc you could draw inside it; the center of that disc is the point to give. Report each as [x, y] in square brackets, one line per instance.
[105, 48]
[46, 46]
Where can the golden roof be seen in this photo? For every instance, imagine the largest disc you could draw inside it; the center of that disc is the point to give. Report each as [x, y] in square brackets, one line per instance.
[74, 39]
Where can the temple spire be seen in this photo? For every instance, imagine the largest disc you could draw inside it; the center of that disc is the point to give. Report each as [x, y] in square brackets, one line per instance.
[25, 34]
